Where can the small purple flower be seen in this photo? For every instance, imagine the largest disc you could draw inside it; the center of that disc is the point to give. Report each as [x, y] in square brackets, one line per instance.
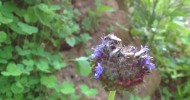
[98, 50]
[151, 66]
[98, 71]
[147, 61]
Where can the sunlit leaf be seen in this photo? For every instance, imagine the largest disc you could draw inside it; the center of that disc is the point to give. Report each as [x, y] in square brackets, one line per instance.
[17, 88]
[104, 8]
[49, 81]
[85, 37]
[59, 65]
[88, 91]
[67, 88]
[27, 28]
[83, 66]
[43, 66]
[12, 70]
[70, 41]
[5, 20]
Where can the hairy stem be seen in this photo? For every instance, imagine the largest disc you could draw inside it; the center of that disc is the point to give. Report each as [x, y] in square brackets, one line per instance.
[111, 95]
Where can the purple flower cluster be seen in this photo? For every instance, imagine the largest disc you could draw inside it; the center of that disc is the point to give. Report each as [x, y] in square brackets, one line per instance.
[98, 54]
[123, 65]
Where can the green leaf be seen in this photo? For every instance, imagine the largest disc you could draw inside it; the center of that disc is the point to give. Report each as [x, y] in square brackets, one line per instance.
[3, 36]
[81, 59]
[28, 62]
[83, 66]
[103, 8]
[7, 8]
[67, 88]
[29, 16]
[87, 91]
[43, 66]
[59, 65]
[22, 52]
[3, 61]
[27, 28]
[55, 7]
[74, 97]
[87, 23]
[5, 20]
[71, 41]
[25, 69]
[33, 80]
[16, 28]
[85, 37]
[45, 8]
[12, 70]
[17, 88]
[49, 81]
[6, 53]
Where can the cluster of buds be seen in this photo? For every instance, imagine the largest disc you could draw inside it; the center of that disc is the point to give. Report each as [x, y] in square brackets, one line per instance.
[118, 66]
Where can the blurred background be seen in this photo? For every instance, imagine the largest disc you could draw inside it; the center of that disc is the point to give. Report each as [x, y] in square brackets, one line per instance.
[45, 44]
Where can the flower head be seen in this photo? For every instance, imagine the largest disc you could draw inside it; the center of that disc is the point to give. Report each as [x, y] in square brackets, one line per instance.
[120, 66]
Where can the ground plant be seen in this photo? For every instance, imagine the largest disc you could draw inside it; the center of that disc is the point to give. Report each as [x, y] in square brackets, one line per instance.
[162, 25]
[31, 34]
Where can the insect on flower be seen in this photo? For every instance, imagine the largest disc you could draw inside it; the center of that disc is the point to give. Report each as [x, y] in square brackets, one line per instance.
[143, 51]
[118, 66]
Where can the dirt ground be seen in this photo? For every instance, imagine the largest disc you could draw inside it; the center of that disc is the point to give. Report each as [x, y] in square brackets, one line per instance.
[151, 81]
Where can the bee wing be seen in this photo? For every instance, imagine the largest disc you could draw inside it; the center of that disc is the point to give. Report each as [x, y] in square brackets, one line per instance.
[141, 52]
[112, 37]
[114, 51]
[115, 38]
[128, 54]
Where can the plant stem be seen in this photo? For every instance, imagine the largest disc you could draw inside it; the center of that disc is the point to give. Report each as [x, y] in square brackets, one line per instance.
[111, 95]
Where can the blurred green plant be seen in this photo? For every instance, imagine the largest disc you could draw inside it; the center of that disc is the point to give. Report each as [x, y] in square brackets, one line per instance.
[31, 33]
[94, 16]
[162, 25]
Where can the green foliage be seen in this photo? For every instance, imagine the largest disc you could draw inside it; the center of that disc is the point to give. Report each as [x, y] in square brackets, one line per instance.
[88, 91]
[12, 70]
[67, 88]
[32, 32]
[27, 29]
[161, 24]
[83, 66]
[3, 36]
[93, 19]
[49, 81]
